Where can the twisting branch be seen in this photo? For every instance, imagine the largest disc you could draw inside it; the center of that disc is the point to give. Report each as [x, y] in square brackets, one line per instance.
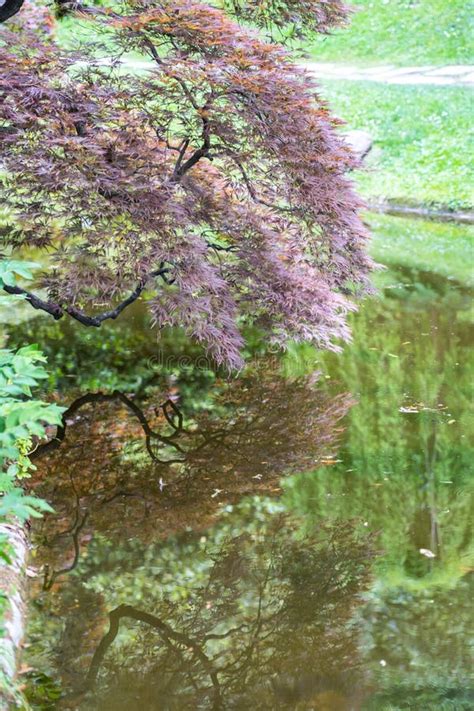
[150, 435]
[51, 577]
[165, 630]
[202, 152]
[181, 168]
[220, 248]
[252, 191]
[181, 150]
[58, 310]
[10, 8]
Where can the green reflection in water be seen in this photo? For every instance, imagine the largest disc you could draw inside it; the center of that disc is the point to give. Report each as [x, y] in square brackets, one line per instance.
[349, 591]
[405, 464]
[248, 614]
[405, 470]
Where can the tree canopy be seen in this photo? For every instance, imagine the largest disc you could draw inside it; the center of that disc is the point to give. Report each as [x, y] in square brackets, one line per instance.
[210, 178]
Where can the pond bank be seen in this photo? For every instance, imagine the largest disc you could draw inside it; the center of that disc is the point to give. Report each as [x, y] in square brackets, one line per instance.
[446, 249]
[13, 592]
[462, 217]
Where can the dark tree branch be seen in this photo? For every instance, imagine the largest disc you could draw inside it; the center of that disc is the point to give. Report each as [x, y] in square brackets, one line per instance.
[252, 191]
[58, 311]
[165, 631]
[182, 168]
[221, 248]
[150, 435]
[181, 150]
[202, 152]
[50, 578]
[157, 59]
[10, 8]
[50, 307]
[170, 418]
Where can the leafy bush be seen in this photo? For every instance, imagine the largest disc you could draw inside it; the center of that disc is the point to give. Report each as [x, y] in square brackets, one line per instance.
[21, 420]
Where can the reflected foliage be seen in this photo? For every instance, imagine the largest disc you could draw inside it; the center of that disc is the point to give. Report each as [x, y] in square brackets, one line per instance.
[408, 439]
[252, 614]
[187, 546]
[405, 469]
[149, 468]
[423, 637]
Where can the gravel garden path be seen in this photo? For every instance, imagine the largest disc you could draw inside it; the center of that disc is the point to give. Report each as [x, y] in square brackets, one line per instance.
[450, 75]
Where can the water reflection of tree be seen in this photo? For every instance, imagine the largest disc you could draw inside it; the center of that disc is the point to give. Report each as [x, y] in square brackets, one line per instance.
[109, 477]
[143, 469]
[260, 620]
[405, 471]
[406, 460]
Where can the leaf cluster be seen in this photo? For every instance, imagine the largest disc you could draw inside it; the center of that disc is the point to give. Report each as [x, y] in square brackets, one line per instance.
[212, 183]
[21, 419]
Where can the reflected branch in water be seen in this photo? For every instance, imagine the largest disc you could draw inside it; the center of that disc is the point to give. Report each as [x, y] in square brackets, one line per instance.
[265, 427]
[263, 624]
[79, 522]
[50, 578]
[150, 434]
[165, 630]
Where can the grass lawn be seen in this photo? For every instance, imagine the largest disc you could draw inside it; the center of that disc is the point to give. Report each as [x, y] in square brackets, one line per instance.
[423, 140]
[402, 32]
[443, 248]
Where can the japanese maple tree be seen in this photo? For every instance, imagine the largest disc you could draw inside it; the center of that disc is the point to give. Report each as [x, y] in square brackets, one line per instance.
[210, 180]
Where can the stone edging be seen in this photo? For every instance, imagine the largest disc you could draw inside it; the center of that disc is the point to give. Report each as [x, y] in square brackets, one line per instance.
[464, 217]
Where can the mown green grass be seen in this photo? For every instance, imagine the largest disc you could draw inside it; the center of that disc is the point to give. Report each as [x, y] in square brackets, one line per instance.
[423, 140]
[402, 32]
[446, 249]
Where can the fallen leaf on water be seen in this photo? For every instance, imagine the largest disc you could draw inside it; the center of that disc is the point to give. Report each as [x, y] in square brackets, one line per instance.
[427, 553]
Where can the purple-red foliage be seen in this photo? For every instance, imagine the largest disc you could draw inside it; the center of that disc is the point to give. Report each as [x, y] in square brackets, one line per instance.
[213, 181]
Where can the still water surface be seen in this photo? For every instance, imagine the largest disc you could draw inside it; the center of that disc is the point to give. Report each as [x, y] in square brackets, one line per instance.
[294, 538]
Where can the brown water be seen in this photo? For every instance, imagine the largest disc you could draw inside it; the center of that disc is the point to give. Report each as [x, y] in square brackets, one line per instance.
[295, 538]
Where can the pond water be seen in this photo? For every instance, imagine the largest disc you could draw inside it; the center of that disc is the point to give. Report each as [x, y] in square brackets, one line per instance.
[294, 538]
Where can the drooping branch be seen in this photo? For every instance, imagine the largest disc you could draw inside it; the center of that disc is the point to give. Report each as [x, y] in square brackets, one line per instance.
[165, 630]
[150, 434]
[58, 310]
[10, 8]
